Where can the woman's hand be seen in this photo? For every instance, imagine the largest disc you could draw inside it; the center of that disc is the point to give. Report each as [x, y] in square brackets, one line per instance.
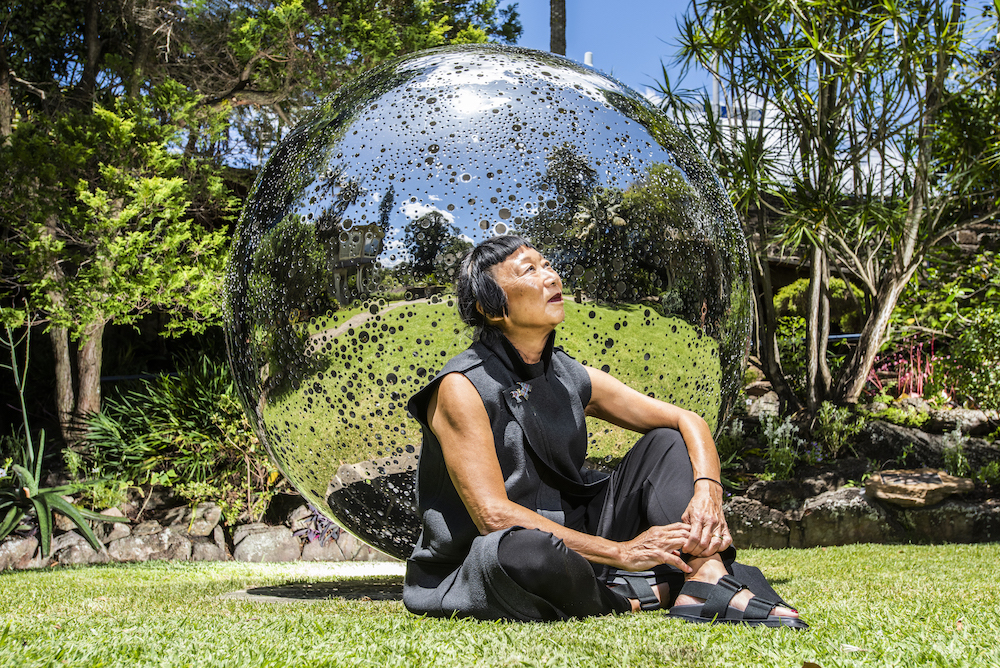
[709, 532]
[654, 546]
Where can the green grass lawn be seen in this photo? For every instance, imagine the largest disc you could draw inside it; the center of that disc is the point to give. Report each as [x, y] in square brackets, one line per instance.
[868, 605]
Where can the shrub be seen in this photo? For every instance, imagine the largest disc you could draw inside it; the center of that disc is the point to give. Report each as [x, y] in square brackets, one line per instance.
[904, 417]
[793, 300]
[836, 427]
[973, 364]
[990, 474]
[781, 451]
[189, 432]
[730, 446]
[955, 461]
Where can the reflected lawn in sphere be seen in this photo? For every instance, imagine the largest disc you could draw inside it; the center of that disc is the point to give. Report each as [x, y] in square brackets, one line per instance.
[354, 411]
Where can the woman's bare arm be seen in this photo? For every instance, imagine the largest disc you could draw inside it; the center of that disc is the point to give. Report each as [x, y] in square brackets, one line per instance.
[616, 402]
[458, 418]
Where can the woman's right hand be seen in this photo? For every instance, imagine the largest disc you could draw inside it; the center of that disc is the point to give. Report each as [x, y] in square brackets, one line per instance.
[654, 546]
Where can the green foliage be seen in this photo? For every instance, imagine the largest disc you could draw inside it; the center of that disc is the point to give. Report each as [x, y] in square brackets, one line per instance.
[427, 239]
[188, 432]
[948, 292]
[836, 427]
[21, 493]
[793, 300]
[781, 449]
[729, 444]
[103, 229]
[989, 474]
[956, 462]
[792, 348]
[904, 416]
[973, 364]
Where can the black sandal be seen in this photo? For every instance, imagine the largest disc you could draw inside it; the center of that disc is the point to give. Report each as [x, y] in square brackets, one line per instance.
[716, 608]
[637, 587]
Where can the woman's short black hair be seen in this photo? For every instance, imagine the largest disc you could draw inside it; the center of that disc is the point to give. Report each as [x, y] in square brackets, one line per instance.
[476, 284]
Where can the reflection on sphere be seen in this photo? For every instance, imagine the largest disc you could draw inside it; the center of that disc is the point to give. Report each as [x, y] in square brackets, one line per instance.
[416, 161]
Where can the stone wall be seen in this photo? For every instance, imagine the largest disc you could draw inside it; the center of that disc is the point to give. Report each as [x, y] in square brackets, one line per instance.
[184, 533]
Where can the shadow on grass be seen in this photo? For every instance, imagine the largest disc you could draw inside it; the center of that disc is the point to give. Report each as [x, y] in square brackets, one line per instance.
[381, 589]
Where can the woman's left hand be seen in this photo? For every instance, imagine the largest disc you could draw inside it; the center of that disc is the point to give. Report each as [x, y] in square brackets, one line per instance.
[709, 531]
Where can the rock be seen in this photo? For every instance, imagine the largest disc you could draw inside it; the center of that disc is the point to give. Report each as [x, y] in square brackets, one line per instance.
[766, 404]
[916, 402]
[245, 530]
[107, 532]
[352, 548]
[270, 544]
[903, 447]
[71, 549]
[753, 524]
[62, 523]
[316, 551]
[780, 494]
[17, 552]
[167, 544]
[970, 422]
[887, 443]
[219, 538]
[207, 550]
[816, 481]
[758, 388]
[158, 498]
[915, 488]
[198, 521]
[280, 507]
[147, 528]
[952, 522]
[981, 452]
[298, 518]
[842, 517]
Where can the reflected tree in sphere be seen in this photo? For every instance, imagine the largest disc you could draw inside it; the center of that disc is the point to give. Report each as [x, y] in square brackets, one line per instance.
[413, 163]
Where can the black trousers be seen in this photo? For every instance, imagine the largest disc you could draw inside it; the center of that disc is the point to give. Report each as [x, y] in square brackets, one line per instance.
[652, 486]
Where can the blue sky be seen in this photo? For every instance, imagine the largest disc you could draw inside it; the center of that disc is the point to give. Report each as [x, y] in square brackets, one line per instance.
[629, 38]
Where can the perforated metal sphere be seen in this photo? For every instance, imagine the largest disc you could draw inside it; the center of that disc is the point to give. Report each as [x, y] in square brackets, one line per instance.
[392, 178]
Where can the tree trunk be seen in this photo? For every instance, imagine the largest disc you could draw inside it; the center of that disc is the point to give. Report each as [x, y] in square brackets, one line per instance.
[88, 363]
[92, 52]
[767, 322]
[854, 374]
[557, 26]
[65, 397]
[6, 103]
[817, 330]
[143, 50]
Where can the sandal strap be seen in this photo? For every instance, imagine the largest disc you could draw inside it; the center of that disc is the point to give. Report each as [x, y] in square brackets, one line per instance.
[641, 590]
[717, 596]
[758, 608]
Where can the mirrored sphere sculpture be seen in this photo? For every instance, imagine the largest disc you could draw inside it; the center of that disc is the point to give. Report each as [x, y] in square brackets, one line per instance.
[338, 305]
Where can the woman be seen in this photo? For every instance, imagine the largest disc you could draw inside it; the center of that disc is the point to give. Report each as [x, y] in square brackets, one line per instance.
[514, 525]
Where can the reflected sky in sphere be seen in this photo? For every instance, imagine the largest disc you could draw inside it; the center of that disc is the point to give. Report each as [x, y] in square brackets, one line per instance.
[406, 168]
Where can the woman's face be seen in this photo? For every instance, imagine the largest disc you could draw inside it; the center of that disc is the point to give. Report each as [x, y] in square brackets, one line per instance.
[534, 292]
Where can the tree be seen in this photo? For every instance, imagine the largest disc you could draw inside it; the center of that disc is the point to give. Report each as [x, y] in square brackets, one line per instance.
[426, 238]
[557, 26]
[101, 229]
[858, 91]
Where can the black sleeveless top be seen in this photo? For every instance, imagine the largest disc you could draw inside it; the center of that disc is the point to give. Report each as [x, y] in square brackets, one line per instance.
[537, 417]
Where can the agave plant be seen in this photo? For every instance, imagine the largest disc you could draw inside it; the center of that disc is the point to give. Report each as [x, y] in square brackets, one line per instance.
[20, 492]
[22, 496]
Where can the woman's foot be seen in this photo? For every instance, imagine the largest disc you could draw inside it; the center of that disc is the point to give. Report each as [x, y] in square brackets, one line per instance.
[710, 570]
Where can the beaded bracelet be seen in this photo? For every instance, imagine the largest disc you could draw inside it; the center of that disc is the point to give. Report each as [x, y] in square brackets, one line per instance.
[713, 480]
